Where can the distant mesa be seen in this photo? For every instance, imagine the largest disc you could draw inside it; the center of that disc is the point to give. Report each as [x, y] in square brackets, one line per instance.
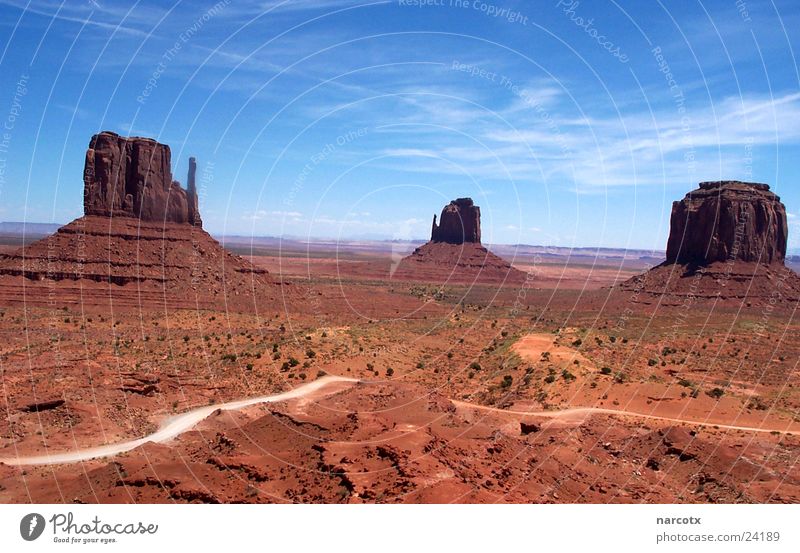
[460, 222]
[728, 220]
[454, 253]
[140, 228]
[132, 177]
[727, 240]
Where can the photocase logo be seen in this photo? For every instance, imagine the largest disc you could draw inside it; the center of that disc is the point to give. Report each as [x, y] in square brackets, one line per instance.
[31, 526]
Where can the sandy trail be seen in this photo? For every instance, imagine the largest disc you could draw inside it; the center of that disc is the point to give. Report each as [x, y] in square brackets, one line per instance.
[174, 426]
[181, 423]
[583, 412]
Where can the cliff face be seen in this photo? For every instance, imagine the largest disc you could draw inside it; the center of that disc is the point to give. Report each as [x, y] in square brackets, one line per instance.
[132, 177]
[459, 223]
[728, 221]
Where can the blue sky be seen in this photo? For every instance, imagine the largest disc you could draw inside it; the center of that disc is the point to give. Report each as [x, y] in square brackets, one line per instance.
[569, 123]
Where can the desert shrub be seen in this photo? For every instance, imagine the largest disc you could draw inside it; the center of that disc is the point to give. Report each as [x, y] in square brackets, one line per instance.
[577, 343]
[652, 362]
[685, 383]
[249, 366]
[550, 378]
[566, 375]
[619, 378]
[229, 357]
[716, 393]
[389, 371]
[475, 366]
[311, 354]
[507, 381]
[605, 370]
[293, 362]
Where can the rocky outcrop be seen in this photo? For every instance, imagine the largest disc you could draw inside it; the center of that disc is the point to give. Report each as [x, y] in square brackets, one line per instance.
[191, 193]
[140, 244]
[728, 221]
[459, 223]
[132, 177]
[455, 254]
[727, 242]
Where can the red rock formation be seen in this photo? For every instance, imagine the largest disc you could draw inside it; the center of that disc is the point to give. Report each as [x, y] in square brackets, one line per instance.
[140, 242]
[727, 242]
[728, 221]
[460, 222]
[455, 254]
[191, 193]
[131, 177]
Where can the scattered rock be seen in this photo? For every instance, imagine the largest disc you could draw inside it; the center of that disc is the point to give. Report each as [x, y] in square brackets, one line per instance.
[526, 428]
[42, 406]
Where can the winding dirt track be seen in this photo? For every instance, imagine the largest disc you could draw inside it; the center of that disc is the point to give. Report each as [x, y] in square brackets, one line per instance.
[584, 412]
[175, 426]
[179, 424]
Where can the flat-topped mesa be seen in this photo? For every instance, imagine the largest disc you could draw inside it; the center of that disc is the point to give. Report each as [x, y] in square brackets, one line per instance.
[460, 222]
[132, 177]
[728, 221]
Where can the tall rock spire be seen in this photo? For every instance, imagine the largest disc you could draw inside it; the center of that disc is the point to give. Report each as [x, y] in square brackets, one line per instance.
[191, 195]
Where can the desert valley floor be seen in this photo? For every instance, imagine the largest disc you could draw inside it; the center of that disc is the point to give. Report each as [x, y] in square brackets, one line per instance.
[562, 388]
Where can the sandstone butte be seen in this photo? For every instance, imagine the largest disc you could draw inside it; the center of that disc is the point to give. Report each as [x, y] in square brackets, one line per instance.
[454, 253]
[140, 240]
[727, 241]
